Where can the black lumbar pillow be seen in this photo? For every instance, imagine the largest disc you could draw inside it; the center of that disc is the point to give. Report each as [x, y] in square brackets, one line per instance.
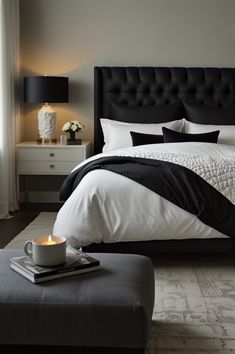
[144, 139]
[171, 136]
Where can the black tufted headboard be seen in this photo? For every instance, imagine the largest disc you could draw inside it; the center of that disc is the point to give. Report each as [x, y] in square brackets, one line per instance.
[138, 86]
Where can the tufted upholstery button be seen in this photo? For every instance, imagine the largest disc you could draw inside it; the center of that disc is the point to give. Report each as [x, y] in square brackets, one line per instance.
[225, 91]
[210, 91]
[190, 90]
[122, 101]
[158, 88]
[148, 101]
[175, 90]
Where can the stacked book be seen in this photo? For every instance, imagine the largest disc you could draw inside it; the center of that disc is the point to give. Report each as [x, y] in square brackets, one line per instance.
[76, 262]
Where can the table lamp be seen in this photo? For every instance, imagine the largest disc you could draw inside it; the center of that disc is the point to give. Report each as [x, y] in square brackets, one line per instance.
[46, 89]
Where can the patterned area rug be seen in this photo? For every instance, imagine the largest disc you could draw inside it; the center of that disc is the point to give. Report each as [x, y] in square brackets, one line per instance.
[194, 305]
[194, 299]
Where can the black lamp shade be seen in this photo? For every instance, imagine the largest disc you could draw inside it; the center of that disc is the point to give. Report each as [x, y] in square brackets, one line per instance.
[50, 89]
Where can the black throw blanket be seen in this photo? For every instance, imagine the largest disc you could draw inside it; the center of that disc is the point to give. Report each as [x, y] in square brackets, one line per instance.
[175, 183]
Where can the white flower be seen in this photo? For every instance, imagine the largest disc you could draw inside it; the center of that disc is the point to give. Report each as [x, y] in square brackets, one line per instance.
[74, 127]
[80, 126]
[66, 127]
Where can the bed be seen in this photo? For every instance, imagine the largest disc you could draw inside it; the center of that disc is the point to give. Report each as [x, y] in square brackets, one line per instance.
[128, 97]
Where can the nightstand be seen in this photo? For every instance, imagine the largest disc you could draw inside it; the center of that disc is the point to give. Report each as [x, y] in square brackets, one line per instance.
[48, 159]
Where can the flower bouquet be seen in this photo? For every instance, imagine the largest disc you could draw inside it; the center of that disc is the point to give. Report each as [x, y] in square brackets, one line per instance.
[72, 128]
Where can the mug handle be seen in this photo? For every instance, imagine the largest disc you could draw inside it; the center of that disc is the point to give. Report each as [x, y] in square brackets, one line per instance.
[28, 248]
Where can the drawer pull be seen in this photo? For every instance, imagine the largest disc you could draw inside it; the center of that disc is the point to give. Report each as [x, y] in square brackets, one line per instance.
[52, 166]
[52, 154]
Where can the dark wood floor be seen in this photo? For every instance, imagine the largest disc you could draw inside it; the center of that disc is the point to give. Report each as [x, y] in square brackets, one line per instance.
[9, 228]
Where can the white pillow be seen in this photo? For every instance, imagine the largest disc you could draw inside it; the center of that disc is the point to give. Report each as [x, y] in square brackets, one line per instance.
[226, 135]
[117, 134]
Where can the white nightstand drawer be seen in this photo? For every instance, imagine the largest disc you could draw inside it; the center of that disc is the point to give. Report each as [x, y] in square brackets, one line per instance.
[51, 154]
[47, 167]
[47, 159]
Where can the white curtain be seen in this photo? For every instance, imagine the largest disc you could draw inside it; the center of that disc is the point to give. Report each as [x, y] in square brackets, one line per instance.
[9, 104]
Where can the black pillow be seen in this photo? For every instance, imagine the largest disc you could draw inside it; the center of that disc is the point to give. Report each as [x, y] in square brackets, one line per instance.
[198, 113]
[144, 139]
[171, 136]
[146, 114]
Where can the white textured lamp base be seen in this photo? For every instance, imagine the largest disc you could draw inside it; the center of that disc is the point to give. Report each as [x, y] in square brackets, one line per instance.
[46, 124]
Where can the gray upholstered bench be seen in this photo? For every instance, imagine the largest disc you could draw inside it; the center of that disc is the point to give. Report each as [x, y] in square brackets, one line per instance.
[105, 311]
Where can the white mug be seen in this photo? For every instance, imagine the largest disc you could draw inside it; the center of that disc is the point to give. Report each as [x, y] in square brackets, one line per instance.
[46, 250]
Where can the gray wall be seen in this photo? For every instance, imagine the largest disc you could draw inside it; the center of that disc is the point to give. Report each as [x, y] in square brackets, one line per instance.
[70, 37]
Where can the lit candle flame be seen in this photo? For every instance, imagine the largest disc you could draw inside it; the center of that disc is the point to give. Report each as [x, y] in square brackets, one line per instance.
[50, 241]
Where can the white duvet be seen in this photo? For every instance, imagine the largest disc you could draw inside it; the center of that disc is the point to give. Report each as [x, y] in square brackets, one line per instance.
[111, 208]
